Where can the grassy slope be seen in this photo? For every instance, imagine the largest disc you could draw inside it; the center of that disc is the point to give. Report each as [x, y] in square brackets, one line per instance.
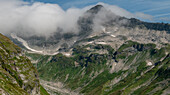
[93, 75]
[16, 71]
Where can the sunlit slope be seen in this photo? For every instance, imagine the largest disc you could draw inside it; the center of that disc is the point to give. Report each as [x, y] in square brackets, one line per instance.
[97, 69]
[17, 74]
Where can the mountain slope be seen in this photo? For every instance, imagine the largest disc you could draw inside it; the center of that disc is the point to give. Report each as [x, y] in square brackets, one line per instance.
[97, 69]
[17, 74]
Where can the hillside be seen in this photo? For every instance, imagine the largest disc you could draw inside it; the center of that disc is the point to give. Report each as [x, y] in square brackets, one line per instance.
[17, 74]
[97, 69]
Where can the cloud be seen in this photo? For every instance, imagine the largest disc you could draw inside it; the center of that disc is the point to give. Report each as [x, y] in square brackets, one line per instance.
[156, 9]
[79, 3]
[122, 12]
[43, 19]
[160, 15]
[143, 16]
[117, 10]
[113, 12]
[164, 19]
[37, 18]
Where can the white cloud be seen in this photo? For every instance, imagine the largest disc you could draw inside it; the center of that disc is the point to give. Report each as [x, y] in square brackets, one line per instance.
[143, 16]
[164, 19]
[160, 15]
[117, 10]
[122, 12]
[37, 18]
[44, 19]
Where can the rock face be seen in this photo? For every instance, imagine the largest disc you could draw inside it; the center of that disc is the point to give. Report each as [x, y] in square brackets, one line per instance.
[17, 74]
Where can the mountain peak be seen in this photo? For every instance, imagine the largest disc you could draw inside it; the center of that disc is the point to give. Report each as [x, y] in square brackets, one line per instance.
[96, 9]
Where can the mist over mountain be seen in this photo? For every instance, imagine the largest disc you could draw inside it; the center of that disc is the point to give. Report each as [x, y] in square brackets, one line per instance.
[43, 19]
[94, 20]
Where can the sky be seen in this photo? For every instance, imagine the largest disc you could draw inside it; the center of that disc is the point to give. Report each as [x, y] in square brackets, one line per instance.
[159, 9]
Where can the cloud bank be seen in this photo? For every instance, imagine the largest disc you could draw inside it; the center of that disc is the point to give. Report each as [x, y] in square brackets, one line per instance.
[38, 18]
[44, 19]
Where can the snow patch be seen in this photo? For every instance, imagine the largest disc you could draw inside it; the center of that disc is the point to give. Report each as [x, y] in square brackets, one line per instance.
[113, 36]
[14, 36]
[108, 32]
[24, 43]
[90, 42]
[104, 29]
[103, 43]
[67, 54]
[149, 64]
